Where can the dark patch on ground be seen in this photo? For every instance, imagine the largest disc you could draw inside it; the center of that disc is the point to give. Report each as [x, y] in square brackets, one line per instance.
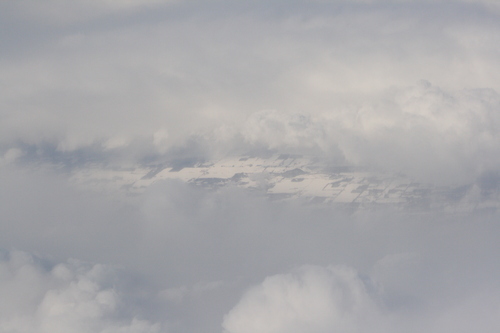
[179, 164]
[238, 176]
[360, 189]
[293, 173]
[153, 172]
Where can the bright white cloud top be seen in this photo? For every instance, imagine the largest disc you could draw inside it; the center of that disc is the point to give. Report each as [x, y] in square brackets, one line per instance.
[67, 297]
[270, 166]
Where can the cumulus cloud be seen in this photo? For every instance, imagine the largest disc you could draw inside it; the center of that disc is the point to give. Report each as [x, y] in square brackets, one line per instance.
[314, 299]
[67, 297]
[125, 77]
[422, 130]
[400, 86]
[337, 298]
[197, 250]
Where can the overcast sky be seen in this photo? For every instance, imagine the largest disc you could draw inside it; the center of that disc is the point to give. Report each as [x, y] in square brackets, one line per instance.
[408, 87]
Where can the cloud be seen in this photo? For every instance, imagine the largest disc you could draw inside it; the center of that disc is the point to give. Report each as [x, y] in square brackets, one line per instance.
[399, 86]
[314, 299]
[11, 156]
[61, 13]
[424, 131]
[185, 68]
[336, 298]
[196, 251]
[429, 133]
[72, 297]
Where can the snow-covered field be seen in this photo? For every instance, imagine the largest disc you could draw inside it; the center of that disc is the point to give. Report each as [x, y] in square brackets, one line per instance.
[288, 177]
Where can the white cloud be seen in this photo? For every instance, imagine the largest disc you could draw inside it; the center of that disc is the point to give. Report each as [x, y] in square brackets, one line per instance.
[336, 299]
[182, 240]
[133, 83]
[314, 299]
[189, 67]
[431, 134]
[73, 297]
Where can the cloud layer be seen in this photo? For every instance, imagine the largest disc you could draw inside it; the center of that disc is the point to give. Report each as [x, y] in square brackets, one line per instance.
[424, 131]
[336, 298]
[315, 300]
[361, 83]
[68, 297]
[197, 251]
[396, 86]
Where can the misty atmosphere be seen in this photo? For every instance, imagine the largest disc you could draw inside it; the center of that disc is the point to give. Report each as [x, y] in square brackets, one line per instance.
[178, 166]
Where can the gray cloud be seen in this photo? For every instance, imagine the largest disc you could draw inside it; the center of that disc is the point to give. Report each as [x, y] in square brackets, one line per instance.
[142, 73]
[68, 297]
[326, 299]
[136, 82]
[314, 300]
[399, 86]
[424, 131]
[197, 251]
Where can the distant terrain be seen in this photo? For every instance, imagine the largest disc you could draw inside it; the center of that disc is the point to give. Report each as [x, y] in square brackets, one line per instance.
[289, 177]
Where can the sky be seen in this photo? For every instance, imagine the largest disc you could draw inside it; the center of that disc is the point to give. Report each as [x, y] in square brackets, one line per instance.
[403, 87]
